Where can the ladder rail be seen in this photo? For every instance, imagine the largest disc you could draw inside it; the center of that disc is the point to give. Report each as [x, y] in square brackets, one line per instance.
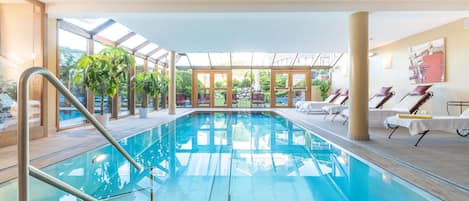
[24, 167]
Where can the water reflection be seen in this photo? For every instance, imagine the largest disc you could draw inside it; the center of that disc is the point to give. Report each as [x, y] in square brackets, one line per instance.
[255, 156]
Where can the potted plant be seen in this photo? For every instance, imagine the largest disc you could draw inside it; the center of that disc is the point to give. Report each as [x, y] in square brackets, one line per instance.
[102, 74]
[164, 82]
[148, 83]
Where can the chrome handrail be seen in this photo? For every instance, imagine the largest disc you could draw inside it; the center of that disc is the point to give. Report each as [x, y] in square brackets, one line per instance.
[24, 167]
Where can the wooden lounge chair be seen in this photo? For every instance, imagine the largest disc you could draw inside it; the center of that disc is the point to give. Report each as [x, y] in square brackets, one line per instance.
[421, 126]
[409, 104]
[375, 102]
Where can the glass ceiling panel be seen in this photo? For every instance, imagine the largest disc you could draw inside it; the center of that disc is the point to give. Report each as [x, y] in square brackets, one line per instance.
[183, 62]
[148, 48]
[262, 59]
[87, 24]
[241, 58]
[114, 32]
[159, 54]
[327, 59]
[305, 59]
[284, 59]
[199, 59]
[134, 41]
[220, 59]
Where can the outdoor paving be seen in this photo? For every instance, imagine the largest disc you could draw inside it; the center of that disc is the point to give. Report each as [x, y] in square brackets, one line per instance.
[438, 165]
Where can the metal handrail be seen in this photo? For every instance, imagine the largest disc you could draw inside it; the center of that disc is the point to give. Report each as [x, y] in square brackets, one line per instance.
[24, 167]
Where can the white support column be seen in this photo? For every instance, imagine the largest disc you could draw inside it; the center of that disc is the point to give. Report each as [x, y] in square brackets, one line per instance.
[358, 124]
[172, 82]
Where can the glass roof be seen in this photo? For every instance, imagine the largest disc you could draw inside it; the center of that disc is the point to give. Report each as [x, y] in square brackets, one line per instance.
[199, 59]
[183, 61]
[114, 32]
[148, 48]
[241, 58]
[159, 54]
[304, 59]
[87, 24]
[134, 41]
[117, 31]
[284, 59]
[220, 59]
[262, 59]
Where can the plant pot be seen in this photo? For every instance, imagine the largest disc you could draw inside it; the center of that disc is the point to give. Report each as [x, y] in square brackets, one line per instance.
[143, 113]
[103, 119]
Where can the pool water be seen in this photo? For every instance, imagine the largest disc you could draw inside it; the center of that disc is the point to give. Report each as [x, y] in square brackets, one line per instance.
[239, 156]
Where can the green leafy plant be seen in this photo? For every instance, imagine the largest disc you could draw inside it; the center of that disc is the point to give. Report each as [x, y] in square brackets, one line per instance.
[103, 72]
[148, 83]
[324, 87]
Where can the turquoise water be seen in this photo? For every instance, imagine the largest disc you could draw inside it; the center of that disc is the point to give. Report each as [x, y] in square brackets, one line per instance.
[212, 156]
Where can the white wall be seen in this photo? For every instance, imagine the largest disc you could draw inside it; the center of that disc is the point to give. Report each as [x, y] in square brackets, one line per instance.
[456, 86]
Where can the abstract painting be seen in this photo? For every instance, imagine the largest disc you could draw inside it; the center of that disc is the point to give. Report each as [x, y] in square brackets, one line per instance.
[427, 62]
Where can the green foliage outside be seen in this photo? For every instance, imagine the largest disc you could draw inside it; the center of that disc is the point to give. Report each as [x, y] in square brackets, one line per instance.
[184, 82]
[102, 73]
[319, 76]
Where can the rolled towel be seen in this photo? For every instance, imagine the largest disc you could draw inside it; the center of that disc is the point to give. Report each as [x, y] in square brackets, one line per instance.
[413, 116]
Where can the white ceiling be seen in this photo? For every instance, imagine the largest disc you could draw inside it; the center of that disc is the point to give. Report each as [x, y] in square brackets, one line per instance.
[263, 25]
[276, 32]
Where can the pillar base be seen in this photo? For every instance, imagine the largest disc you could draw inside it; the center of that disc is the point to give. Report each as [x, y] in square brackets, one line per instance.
[358, 137]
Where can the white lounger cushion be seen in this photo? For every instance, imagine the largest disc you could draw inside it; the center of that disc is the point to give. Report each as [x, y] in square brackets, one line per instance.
[375, 101]
[376, 117]
[417, 126]
[310, 106]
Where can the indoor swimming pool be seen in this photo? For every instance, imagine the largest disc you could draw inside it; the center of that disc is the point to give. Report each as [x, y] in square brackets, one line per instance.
[239, 156]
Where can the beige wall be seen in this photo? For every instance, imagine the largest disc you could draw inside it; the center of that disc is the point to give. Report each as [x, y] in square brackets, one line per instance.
[456, 86]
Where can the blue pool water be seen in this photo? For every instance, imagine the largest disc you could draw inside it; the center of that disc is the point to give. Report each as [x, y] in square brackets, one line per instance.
[211, 156]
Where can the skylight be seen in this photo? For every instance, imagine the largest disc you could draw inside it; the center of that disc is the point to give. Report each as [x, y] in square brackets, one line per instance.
[284, 59]
[87, 24]
[241, 58]
[148, 48]
[134, 41]
[220, 59]
[199, 59]
[114, 32]
[262, 59]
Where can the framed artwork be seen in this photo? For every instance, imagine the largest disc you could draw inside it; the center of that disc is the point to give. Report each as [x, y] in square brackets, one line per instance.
[427, 62]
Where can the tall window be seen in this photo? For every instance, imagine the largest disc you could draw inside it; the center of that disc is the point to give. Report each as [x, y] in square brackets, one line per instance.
[139, 67]
[183, 88]
[71, 48]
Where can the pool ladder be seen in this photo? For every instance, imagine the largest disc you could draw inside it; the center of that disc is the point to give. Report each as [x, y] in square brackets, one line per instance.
[24, 167]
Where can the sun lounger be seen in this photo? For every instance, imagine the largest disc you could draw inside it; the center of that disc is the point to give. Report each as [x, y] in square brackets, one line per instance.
[409, 104]
[375, 102]
[328, 100]
[341, 98]
[421, 126]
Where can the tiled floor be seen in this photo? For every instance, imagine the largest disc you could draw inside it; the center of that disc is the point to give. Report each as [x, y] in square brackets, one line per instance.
[439, 164]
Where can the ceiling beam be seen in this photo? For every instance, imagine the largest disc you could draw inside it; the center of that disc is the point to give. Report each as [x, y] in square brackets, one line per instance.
[67, 26]
[153, 51]
[104, 41]
[142, 45]
[337, 60]
[209, 61]
[102, 26]
[294, 60]
[316, 59]
[125, 37]
[161, 56]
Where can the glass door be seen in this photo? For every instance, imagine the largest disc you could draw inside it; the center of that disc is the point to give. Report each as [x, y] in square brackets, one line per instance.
[299, 87]
[211, 88]
[281, 89]
[221, 94]
[289, 87]
[202, 89]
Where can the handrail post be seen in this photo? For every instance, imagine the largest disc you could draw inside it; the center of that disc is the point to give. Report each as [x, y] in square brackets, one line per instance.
[23, 134]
